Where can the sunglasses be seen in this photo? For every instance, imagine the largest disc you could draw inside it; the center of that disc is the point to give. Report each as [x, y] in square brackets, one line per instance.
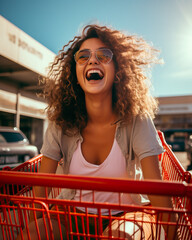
[103, 55]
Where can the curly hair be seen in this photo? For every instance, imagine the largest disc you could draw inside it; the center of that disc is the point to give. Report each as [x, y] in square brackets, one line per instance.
[131, 89]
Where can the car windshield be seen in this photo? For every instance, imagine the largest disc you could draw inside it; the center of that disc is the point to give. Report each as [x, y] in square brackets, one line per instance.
[176, 136]
[10, 137]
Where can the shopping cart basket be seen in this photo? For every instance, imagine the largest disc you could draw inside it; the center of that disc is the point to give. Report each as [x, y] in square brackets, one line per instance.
[19, 203]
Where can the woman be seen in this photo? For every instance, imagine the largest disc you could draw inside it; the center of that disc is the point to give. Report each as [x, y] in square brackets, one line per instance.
[100, 110]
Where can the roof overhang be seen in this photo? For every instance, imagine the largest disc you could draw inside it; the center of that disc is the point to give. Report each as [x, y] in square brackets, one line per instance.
[22, 58]
[14, 72]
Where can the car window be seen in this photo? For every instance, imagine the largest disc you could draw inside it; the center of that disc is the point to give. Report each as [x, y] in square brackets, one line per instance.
[10, 137]
[2, 139]
[174, 136]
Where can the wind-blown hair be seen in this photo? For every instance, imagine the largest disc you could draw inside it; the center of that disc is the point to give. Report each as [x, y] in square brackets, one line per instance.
[131, 89]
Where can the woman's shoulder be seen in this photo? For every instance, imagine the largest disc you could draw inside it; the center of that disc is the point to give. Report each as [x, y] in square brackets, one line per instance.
[136, 122]
[65, 140]
[133, 119]
[58, 130]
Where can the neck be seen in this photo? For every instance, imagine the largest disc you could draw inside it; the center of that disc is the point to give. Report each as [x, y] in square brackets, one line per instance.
[100, 110]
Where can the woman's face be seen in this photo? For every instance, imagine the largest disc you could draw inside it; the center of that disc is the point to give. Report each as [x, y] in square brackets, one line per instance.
[95, 77]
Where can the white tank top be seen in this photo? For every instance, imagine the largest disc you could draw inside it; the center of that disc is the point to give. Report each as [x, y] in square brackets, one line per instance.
[113, 166]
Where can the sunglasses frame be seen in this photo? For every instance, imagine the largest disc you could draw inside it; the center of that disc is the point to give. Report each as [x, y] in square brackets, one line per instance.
[99, 49]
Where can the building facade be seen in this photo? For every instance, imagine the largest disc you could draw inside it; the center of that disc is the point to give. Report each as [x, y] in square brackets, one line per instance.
[22, 61]
[174, 112]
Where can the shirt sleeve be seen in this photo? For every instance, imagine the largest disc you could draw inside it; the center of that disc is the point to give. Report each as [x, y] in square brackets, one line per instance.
[51, 147]
[146, 141]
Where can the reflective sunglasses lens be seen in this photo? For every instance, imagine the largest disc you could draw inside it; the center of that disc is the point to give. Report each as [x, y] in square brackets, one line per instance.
[82, 57]
[104, 55]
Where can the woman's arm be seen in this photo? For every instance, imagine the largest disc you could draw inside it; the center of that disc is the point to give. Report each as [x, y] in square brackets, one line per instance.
[151, 170]
[48, 165]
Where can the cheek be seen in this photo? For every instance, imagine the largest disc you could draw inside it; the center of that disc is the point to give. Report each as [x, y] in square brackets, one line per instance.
[111, 72]
[79, 73]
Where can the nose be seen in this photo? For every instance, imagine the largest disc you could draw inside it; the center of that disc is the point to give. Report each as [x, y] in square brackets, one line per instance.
[93, 59]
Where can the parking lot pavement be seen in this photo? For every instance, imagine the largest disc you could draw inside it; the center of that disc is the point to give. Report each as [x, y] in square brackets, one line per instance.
[182, 157]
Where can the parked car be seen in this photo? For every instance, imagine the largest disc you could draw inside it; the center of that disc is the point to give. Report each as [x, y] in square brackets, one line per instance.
[14, 147]
[189, 148]
[177, 138]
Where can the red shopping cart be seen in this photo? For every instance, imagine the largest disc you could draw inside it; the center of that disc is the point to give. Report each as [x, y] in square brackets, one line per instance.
[19, 203]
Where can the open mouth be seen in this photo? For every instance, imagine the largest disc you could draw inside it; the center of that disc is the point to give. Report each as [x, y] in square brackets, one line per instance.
[95, 74]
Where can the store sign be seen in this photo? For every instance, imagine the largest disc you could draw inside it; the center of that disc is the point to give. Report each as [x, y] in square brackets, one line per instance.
[175, 109]
[24, 45]
[19, 47]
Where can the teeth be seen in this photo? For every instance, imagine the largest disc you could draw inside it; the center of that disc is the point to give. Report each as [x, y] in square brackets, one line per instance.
[94, 72]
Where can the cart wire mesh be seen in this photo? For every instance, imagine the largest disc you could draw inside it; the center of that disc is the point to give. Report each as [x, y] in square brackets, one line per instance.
[79, 219]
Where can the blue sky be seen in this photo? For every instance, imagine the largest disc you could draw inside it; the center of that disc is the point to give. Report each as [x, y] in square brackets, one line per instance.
[165, 23]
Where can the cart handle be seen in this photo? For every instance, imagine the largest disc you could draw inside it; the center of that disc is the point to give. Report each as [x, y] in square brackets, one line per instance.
[156, 187]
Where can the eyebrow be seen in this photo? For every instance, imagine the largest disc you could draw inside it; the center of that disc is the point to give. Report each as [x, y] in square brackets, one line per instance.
[90, 49]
